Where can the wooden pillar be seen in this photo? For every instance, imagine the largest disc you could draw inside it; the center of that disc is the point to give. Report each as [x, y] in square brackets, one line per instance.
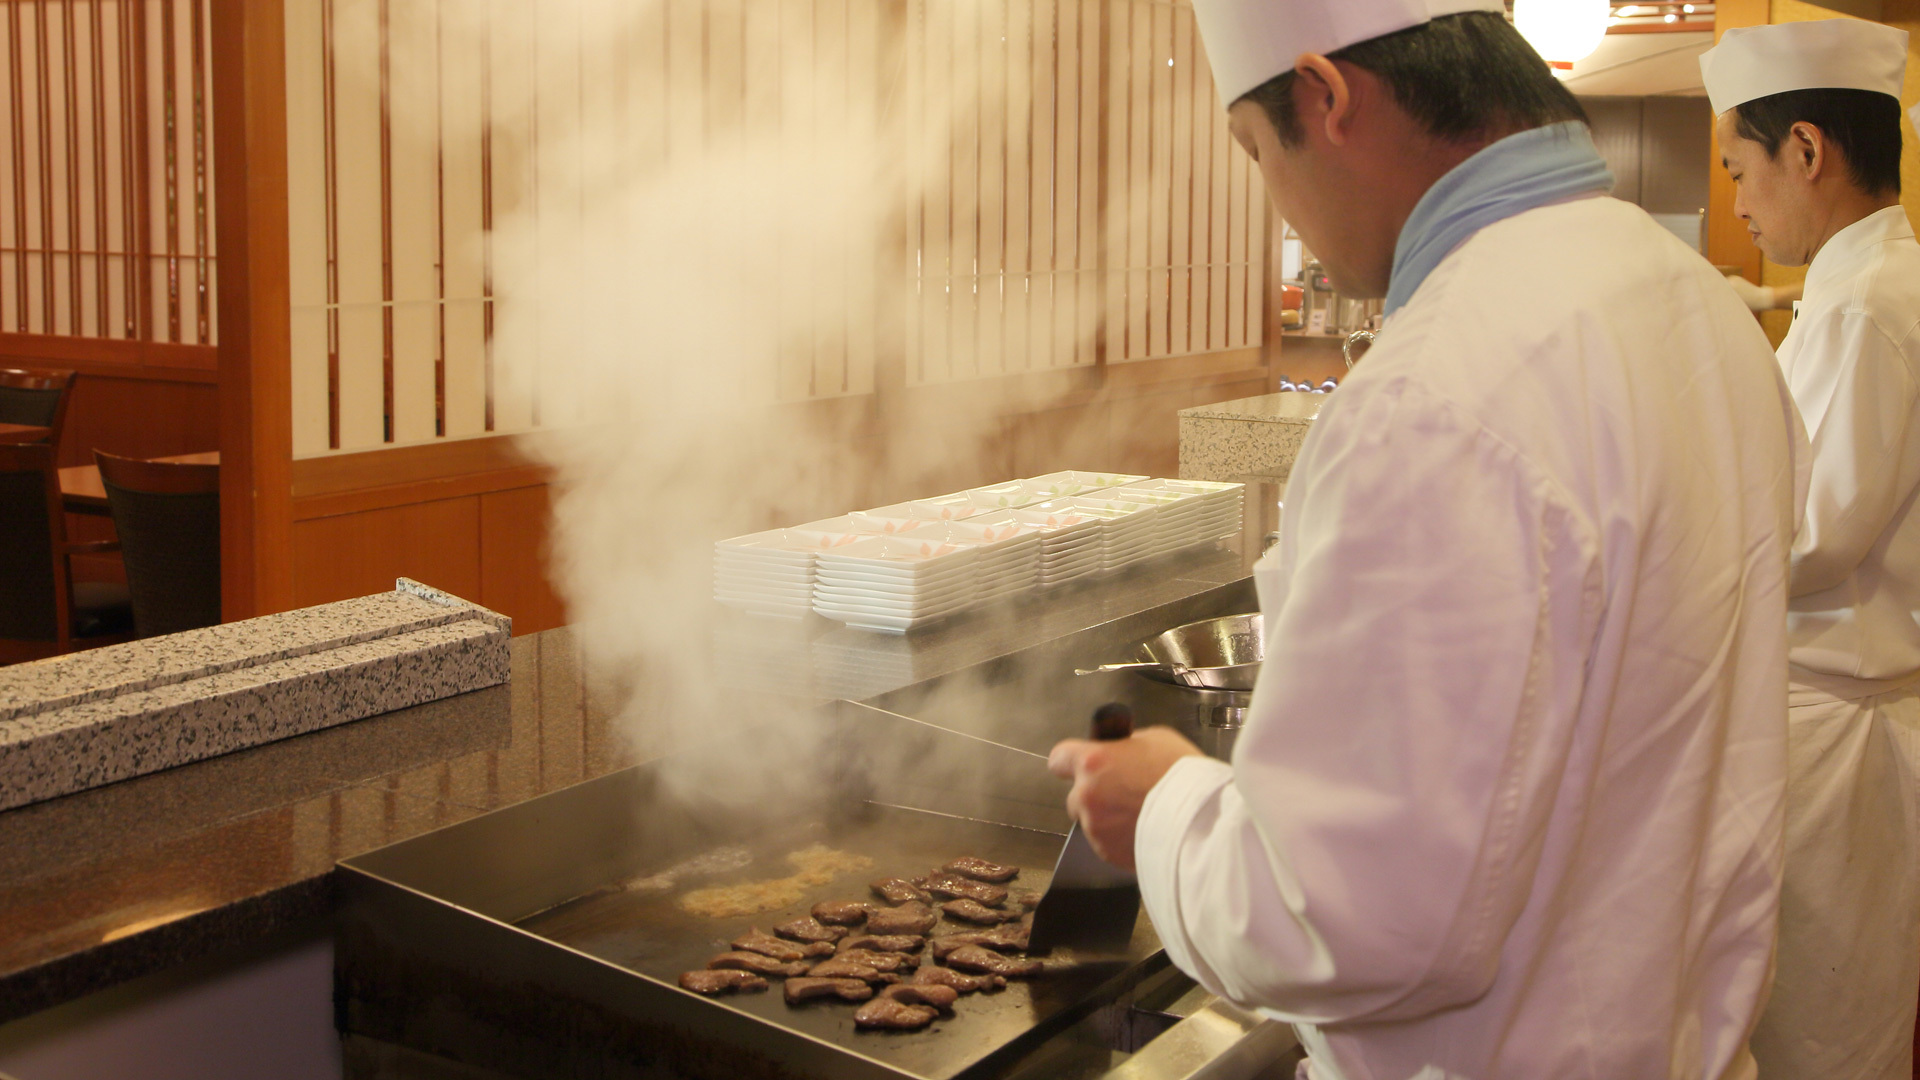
[1728, 243]
[256, 412]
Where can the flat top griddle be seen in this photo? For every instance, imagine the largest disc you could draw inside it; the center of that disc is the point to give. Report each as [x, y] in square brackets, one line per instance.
[648, 933]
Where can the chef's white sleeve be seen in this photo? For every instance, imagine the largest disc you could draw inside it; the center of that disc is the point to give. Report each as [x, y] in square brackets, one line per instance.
[1862, 474]
[1372, 843]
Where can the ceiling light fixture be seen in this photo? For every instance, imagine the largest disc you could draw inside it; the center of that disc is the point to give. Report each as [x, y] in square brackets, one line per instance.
[1563, 32]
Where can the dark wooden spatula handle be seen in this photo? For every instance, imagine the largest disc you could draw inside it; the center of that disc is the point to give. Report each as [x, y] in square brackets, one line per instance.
[1112, 721]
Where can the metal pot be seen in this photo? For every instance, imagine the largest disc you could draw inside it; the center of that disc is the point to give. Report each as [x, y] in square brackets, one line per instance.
[1212, 654]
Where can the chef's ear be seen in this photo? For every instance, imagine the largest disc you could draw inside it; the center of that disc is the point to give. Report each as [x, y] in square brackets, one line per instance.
[1327, 86]
[1808, 145]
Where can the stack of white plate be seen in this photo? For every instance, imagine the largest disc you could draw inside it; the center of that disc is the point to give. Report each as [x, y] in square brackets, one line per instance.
[1069, 542]
[1221, 504]
[769, 573]
[1009, 553]
[1129, 531]
[1180, 516]
[1070, 482]
[896, 582]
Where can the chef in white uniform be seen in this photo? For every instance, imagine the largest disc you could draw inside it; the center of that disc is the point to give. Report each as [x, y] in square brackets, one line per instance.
[1508, 803]
[1809, 126]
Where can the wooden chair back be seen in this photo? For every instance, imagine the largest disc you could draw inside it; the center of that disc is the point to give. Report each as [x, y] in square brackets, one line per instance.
[35, 587]
[168, 517]
[37, 397]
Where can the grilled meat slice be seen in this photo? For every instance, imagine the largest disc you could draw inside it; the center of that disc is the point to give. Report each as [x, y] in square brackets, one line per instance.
[954, 887]
[1024, 899]
[842, 968]
[806, 989]
[841, 912]
[975, 958]
[909, 943]
[810, 929]
[930, 994]
[965, 984]
[1010, 938]
[882, 961]
[758, 940]
[891, 1015]
[912, 917]
[975, 912]
[722, 982]
[981, 870]
[754, 962]
[896, 890]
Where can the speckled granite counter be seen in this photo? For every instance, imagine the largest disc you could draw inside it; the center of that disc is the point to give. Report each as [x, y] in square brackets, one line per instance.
[143, 875]
[1248, 439]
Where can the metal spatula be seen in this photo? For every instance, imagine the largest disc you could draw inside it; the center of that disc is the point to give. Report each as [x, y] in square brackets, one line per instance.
[1091, 904]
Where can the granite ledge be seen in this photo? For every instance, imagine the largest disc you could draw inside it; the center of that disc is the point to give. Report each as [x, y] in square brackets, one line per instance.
[1291, 407]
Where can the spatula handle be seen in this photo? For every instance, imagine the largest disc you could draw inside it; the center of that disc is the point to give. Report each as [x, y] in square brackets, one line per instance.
[1112, 721]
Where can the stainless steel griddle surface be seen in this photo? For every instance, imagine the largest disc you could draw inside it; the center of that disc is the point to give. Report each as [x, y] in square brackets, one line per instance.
[647, 932]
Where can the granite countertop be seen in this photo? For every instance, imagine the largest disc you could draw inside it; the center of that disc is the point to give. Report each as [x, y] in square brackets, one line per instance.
[1291, 407]
[139, 876]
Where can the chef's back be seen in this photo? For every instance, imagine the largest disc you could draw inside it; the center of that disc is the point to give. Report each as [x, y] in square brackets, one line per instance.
[1514, 773]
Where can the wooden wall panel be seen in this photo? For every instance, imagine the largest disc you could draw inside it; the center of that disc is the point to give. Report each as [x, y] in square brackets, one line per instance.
[356, 554]
[513, 559]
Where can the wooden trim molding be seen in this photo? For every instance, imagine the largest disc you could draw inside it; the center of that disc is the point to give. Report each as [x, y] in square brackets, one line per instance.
[255, 298]
[111, 357]
[376, 479]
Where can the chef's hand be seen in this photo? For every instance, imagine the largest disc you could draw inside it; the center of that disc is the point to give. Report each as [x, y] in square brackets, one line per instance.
[1111, 781]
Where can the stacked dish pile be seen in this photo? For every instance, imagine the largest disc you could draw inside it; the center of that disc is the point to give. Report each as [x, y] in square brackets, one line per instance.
[1069, 542]
[1221, 504]
[1129, 530]
[768, 573]
[1070, 482]
[896, 582]
[1009, 554]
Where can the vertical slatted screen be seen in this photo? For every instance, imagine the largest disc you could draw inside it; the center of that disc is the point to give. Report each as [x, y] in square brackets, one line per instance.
[106, 193]
[1066, 183]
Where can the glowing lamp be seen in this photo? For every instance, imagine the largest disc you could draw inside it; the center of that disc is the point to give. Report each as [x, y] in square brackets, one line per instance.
[1562, 31]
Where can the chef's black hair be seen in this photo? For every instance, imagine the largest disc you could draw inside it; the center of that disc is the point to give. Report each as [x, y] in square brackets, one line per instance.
[1461, 77]
[1864, 125]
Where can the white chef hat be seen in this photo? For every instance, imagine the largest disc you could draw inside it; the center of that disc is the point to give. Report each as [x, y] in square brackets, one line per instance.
[1827, 54]
[1251, 41]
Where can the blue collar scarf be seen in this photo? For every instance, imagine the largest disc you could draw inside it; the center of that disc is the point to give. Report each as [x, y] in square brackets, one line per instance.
[1519, 173]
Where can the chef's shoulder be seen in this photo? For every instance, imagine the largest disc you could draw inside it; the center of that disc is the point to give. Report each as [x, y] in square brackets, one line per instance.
[1887, 294]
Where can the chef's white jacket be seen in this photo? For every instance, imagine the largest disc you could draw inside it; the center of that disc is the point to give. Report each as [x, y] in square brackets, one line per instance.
[1508, 801]
[1849, 960]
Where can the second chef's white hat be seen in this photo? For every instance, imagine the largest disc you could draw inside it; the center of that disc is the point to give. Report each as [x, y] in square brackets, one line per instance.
[1251, 41]
[1753, 62]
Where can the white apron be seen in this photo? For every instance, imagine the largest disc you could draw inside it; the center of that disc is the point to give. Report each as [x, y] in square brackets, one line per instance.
[1848, 973]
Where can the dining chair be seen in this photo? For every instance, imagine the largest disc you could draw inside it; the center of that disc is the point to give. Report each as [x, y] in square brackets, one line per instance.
[37, 397]
[167, 515]
[39, 600]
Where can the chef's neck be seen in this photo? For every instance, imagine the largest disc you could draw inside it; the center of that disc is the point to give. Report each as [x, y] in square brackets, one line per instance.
[1845, 205]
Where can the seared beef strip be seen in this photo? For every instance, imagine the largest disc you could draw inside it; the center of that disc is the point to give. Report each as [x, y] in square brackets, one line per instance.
[981, 870]
[975, 958]
[882, 961]
[909, 918]
[841, 912]
[754, 962]
[758, 940]
[966, 984]
[954, 887]
[1024, 899]
[1010, 938]
[722, 982]
[974, 911]
[932, 994]
[899, 890]
[884, 1012]
[841, 968]
[809, 929]
[884, 942]
[799, 990]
